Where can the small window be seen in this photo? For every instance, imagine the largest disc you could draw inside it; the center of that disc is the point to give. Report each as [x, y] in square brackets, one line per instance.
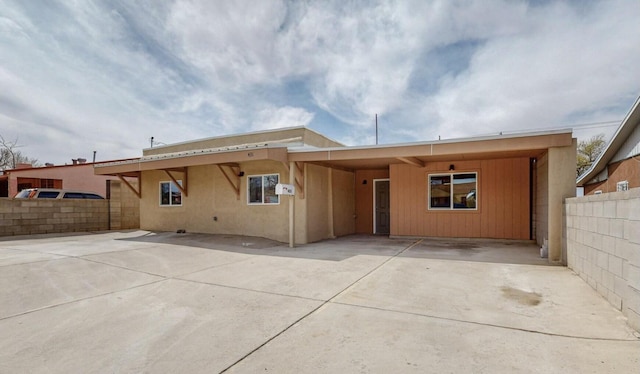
[48, 194]
[622, 186]
[262, 189]
[170, 194]
[453, 191]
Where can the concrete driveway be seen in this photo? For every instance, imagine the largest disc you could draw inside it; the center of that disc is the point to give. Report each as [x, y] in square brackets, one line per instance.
[163, 302]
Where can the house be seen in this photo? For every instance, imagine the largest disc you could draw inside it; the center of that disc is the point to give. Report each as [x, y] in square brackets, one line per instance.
[503, 187]
[618, 166]
[77, 176]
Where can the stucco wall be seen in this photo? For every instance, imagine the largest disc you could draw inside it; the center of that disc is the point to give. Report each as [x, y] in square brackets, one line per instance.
[603, 247]
[25, 217]
[318, 202]
[542, 199]
[209, 196]
[502, 207]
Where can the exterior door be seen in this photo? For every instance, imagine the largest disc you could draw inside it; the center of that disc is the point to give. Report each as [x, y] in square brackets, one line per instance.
[381, 207]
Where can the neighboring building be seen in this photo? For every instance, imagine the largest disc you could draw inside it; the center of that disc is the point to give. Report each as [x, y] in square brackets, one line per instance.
[78, 176]
[503, 187]
[618, 166]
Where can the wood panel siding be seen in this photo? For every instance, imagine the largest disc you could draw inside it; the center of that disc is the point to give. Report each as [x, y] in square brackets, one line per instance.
[502, 206]
[364, 198]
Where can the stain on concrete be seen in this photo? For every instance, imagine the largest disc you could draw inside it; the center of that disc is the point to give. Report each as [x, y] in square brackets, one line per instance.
[522, 297]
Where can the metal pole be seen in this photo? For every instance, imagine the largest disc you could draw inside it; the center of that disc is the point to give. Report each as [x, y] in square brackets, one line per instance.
[376, 128]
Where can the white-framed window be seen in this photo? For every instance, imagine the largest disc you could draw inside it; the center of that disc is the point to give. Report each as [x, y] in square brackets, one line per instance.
[261, 189]
[622, 186]
[170, 194]
[453, 191]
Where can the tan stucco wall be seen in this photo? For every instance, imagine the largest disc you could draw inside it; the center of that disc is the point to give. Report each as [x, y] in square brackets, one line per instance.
[562, 176]
[209, 196]
[344, 205]
[318, 202]
[542, 199]
[297, 134]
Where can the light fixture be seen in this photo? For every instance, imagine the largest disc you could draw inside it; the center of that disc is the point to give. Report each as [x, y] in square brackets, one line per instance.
[364, 181]
[240, 174]
[451, 167]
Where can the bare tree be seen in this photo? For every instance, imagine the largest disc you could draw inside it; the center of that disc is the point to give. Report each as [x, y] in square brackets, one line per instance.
[10, 156]
[588, 152]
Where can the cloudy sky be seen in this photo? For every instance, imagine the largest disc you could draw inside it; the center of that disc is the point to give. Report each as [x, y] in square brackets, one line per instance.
[79, 76]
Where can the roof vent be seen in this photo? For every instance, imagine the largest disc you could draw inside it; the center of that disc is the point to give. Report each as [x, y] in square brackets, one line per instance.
[48, 164]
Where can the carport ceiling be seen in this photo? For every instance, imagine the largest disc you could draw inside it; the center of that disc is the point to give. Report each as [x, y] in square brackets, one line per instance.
[384, 162]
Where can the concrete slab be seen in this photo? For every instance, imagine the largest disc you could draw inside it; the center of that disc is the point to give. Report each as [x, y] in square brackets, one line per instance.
[165, 302]
[32, 286]
[348, 339]
[537, 298]
[169, 260]
[168, 327]
[16, 256]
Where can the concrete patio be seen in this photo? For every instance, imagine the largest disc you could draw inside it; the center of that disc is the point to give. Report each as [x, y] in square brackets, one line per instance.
[139, 301]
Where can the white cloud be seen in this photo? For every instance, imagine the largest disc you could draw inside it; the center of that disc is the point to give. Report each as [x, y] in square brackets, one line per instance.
[78, 77]
[272, 117]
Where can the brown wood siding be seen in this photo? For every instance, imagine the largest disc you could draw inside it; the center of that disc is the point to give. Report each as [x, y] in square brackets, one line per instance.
[364, 198]
[503, 201]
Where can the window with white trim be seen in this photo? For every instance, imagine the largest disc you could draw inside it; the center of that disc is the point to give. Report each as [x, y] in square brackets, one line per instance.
[622, 186]
[453, 191]
[261, 189]
[170, 194]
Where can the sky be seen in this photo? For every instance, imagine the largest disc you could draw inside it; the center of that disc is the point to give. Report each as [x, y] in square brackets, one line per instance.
[80, 76]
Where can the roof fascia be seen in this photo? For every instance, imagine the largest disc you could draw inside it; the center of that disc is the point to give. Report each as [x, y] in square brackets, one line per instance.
[621, 135]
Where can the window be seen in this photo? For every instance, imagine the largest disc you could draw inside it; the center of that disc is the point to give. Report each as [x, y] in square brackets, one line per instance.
[170, 194]
[262, 189]
[622, 186]
[453, 191]
[48, 194]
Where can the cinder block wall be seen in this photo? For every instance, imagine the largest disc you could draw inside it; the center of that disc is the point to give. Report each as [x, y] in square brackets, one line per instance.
[603, 247]
[24, 217]
[124, 206]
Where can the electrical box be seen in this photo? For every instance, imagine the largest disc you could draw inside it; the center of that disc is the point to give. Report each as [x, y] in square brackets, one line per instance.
[285, 189]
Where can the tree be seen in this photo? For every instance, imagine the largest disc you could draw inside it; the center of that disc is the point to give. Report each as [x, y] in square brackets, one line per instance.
[588, 152]
[10, 156]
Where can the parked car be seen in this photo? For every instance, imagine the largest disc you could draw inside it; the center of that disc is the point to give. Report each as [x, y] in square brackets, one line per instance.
[52, 193]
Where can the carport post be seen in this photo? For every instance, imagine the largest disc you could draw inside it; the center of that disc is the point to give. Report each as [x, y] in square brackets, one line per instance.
[292, 206]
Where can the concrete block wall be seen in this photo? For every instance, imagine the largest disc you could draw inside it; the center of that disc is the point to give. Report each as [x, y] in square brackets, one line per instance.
[124, 206]
[603, 247]
[25, 217]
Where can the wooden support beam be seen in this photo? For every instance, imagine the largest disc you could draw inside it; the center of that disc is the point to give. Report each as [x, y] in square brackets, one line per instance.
[299, 178]
[184, 187]
[234, 171]
[138, 192]
[412, 161]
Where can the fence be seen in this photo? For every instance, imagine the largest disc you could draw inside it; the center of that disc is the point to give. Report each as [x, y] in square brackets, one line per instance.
[603, 247]
[42, 216]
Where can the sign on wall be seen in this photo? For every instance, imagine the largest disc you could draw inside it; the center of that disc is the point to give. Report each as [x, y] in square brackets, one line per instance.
[285, 189]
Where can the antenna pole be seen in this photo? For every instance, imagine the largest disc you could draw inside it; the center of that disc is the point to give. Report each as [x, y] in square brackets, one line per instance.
[376, 128]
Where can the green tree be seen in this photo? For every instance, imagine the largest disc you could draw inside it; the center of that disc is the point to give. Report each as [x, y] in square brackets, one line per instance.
[10, 155]
[588, 152]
